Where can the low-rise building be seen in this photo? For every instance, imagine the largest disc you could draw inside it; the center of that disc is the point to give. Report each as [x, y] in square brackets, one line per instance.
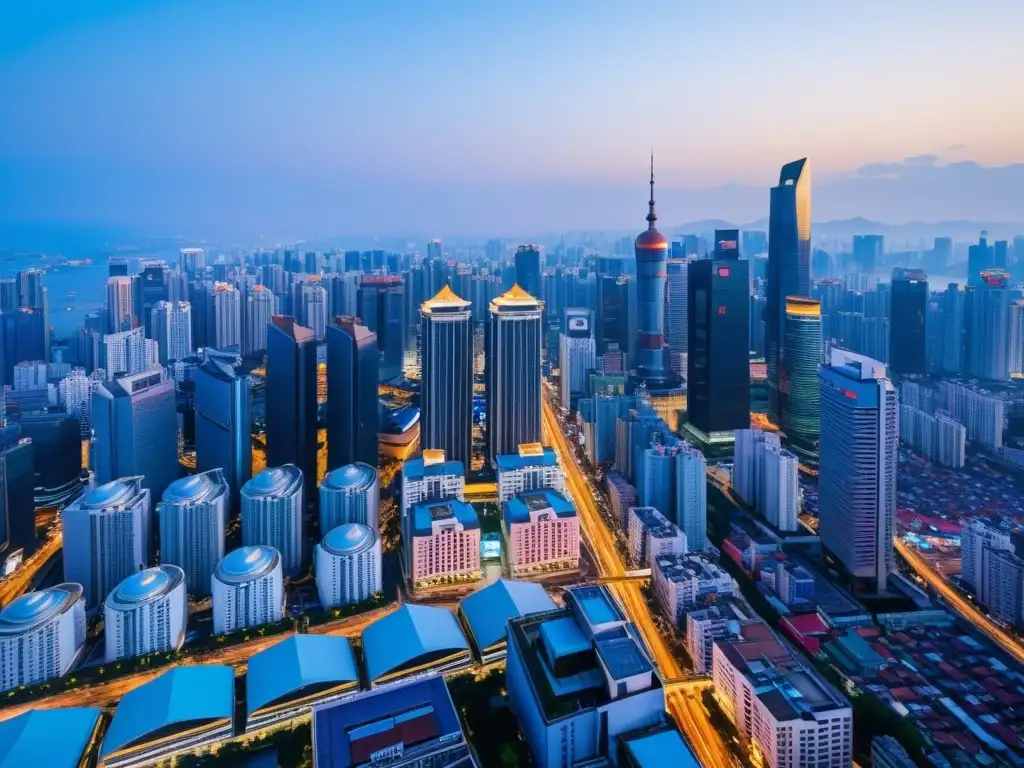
[704, 626]
[486, 612]
[60, 737]
[685, 582]
[414, 641]
[532, 468]
[542, 532]
[445, 543]
[651, 535]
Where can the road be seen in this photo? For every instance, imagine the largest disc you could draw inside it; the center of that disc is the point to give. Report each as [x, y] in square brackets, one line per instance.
[107, 694]
[685, 706]
[19, 582]
[957, 602]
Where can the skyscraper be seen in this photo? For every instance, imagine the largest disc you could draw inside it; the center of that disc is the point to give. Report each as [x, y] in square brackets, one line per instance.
[677, 318]
[789, 263]
[651, 249]
[951, 305]
[311, 305]
[528, 274]
[272, 510]
[908, 336]
[223, 422]
[350, 494]
[353, 409]
[146, 613]
[987, 326]
[577, 355]
[867, 252]
[260, 306]
[135, 421]
[120, 304]
[446, 400]
[170, 323]
[799, 390]
[193, 517]
[17, 505]
[107, 536]
[22, 337]
[1017, 336]
[514, 339]
[718, 363]
[859, 446]
[151, 286]
[382, 310]
[291, 397]
[980, 258]
[224, 328]
[248, 589]
[192, 261]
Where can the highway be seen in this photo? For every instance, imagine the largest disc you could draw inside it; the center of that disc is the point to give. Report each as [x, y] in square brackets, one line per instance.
[684, 704]
[957, 602]
[19, 582]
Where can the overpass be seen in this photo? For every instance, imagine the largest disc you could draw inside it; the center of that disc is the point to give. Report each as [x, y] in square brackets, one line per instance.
[640, 575]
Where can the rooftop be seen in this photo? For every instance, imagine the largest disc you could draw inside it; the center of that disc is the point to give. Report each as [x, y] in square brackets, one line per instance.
[658, 747]
[655, 523]
[596, 605]
[510, 462]
[417, 469]
[519, 508]
[116, 493]
[183, 697]
[351, 478]
[515, 298]
[246, 564]
[620, 654]
[349, 539]
[410, 635]
[428, 513]
[55, 737]
[444, 300]
[148, 584]
[35, 608]
[488, 610]
[678, 568]
[274, 481]
[298, 667]
[196, 488]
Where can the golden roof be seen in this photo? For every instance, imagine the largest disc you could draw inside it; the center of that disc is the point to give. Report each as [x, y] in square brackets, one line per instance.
[446, 297]
[797, 305]
[515, 296]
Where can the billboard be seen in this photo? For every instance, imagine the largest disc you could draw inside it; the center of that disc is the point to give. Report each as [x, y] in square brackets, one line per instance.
[579, 324]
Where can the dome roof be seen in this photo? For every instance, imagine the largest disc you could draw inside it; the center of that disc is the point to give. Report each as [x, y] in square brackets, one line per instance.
[110, 494]
[246, 564]
[146, 585]
[651, 240]
[194, 487]
[273, 481]
[349, 539]
[351, 477]
[35, 608]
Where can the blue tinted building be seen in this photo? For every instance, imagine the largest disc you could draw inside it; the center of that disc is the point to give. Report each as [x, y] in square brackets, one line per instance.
[350, 494]
[17, 505]
[446, 394]
[528, 273]
[412, 641]
[223, 422]
[291, 397]
[61, 737]
[382, 309]
[486, 612]
[22, 337]
[353, 409]
[651, 275]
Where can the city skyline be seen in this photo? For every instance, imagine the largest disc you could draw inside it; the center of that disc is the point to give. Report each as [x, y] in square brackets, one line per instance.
[334, 134]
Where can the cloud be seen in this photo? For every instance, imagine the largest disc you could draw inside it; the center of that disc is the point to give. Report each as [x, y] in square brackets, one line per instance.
[921, 160]
[957, 148]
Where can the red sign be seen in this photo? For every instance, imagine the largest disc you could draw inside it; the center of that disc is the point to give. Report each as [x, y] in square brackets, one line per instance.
[721, 310]
[723, 271]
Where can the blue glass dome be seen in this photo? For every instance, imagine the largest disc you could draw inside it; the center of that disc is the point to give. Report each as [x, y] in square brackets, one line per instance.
[110, 494]
[274, 481]
[35, 608]
[246, 563]
[146, 585]
[351, 477]
[194, 487]
[349, 539]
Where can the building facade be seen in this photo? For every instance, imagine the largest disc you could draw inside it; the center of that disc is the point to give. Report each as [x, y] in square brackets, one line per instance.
[146, 613]
[353, 408]
[223, 422]
[348, 565]
[799, 392]
[577, 355]
[291, 396]
[531, 468]
[542, 532]
[350, 494]
[193, 517]
[248, 589]
[272, 507]
[444, 543]
[41, 635]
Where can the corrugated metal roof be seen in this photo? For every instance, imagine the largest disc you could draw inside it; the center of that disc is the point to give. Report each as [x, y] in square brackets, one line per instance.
[52, 737]
[178, 696]
[410, 632]
[488, 609]
[295, 663]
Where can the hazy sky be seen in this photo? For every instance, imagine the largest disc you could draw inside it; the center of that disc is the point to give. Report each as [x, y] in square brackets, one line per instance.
[451, 116]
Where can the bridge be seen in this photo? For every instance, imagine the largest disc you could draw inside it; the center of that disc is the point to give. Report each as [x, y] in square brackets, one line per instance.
[693, 681]
[639, 575]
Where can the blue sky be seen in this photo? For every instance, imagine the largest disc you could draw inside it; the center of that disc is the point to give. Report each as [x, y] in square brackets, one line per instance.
[448, 116]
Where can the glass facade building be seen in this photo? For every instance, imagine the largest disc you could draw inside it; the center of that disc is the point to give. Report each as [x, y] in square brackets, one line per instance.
[528, 274]
[223, 422]
[382, 310]
[799, 389]
[446, 399]
[353, 409]
[651, 248]
[987, 326]
[291, 397]
[908, 333]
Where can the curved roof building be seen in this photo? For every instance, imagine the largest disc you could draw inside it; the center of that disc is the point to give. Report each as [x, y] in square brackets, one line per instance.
[248, 589]
[245, 564]
[146, 613]
[272, 506]
[351, 478]
[486, 612]
[35, 609]
[41, 634]
[348, 565]
[411, 641]
[193, 519]
[31, 738]
[350, 494]
[178, 711]
[293, 674]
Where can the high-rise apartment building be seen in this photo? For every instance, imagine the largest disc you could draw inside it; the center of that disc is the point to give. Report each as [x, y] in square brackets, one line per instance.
[444, 542]
[908, 335]
[789, 263]
[353, 409]
[107, 536]
[135, 423]
[976, 536]
[348, 565]
[542, 532]
[310, 304]
[528, 272]
[651, 248]
[951, 307]
[223, 423]
[171, 326]
[291, 396]
[857, 480]
[146, 613]
[273, 506]
[350, 494]
[982, 413]
[987, 326]
[224, 326]
[446, 399]
[193, 518]
[120, 304]
[514, 341]
[128, 352]
[42, 634]
[248, 589]
[867, 253]
[259, 307]
[577, 355]
[799, 393]
[937, 437]
[192, 261]
[1002, 585]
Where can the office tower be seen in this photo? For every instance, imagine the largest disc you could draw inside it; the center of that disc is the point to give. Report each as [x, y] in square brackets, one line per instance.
[799, 392]
[248, 589]
[170, 324]
[224, 328]
[789, 264]
[107, 536]
[272, 506]
[987, 326]
[193, 517]
[117, 267]
[446, 400]
[310, 304]
[41, 636]
[192, 261]
[152, 285]
[348, 565]
[527, 263]
[780, 705]
[223, 424]
[677, 313]
[146, 613]
[650, 534]
[867, 252]
[542, 533]
[651, 274]
[600, 426]
[514, 339]
[352, 404]
[445, 543]
[859, 446]
[9, 296]
[23, 334]
[976, 536]
[135, 423]
[56, 455]
[980, 258]
[982, 413]
[577, 355]
[908, 338]
[291, 398]
[1017, 337]
[951, 303]
[534, 467]
[17, 504]
[381, 302]
[607, 651]
[350, 494]
[29, 374]
[613, 286]
[120, 304]
[259, 308]
[718, 364]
